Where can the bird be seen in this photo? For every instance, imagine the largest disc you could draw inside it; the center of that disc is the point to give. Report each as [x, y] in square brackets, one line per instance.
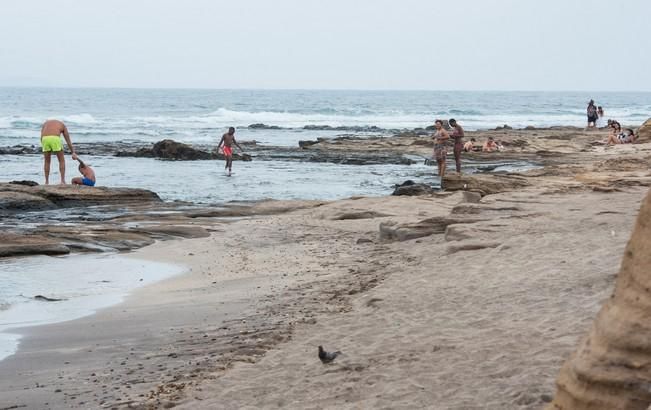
[327, 357]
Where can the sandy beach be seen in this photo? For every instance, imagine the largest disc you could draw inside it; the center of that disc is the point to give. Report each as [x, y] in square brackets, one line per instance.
[450, 300]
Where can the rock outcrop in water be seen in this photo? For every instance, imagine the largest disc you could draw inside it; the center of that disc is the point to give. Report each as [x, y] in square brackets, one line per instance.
[612, 367]
[169, 149]
[177, 151]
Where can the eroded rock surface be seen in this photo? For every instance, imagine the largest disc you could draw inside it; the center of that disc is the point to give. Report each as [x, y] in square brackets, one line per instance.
[25, 197]
[612, 367]
[392, 231]
[644, 132]
[484, 184]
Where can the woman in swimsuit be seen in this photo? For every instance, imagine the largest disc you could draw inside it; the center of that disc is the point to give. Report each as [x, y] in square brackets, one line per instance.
[457, 135]
[440, 151]
[615, 132]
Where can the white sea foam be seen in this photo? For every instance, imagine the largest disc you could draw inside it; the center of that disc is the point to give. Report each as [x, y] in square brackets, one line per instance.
[79, 119]
[84, 283]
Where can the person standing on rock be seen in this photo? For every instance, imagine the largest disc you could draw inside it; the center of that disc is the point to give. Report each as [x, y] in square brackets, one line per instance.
[227, 142]
[457, 135]
[51, 132]
[440, 137]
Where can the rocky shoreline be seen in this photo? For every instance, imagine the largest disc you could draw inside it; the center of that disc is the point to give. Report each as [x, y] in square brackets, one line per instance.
[379, 147]
[123, 219]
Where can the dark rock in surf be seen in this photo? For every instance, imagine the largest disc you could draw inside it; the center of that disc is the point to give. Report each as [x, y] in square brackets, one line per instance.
[25, 183]
[170, 149]
[20, 150]
[354, 128]
[178, 151]
[304, 144]
[410, 188]
[47, 299]
[260, 126]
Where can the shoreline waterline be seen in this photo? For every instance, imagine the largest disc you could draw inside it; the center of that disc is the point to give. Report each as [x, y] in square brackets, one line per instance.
[41, 290]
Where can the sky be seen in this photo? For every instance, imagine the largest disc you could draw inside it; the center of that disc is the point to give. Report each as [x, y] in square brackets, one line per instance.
[555, 45]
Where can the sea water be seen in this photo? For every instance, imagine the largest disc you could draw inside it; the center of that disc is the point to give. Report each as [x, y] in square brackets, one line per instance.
[201, 116]
[80, 285]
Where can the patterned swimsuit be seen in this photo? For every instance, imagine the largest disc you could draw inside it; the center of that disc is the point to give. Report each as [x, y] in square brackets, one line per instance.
[440, 150]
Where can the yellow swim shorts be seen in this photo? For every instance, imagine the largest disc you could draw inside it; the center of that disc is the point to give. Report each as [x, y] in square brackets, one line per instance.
[51, 143]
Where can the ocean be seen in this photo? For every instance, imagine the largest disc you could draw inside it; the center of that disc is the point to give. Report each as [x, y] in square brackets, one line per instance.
[201, 117]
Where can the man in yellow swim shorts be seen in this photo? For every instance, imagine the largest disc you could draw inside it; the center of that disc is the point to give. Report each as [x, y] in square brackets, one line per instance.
[51, 142]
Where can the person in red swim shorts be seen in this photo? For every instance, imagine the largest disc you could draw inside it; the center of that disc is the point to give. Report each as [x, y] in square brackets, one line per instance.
[227, 142]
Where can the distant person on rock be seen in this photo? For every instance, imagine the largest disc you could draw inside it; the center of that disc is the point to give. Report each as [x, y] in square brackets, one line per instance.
[440, 137]
[88, 175]
[490, 145]
[227, 142]
[457, 135]
[592, 114]
[470, 145]
[51, 132]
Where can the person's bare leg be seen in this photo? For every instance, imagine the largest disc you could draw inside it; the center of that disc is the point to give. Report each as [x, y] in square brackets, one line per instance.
[77, 181]
[47, 156]
[62, 166]
[442, 173]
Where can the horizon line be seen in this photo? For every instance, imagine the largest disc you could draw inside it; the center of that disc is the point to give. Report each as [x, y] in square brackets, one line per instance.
[316, 89]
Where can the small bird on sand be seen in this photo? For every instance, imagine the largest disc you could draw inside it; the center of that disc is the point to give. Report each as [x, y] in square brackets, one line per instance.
[327, 357]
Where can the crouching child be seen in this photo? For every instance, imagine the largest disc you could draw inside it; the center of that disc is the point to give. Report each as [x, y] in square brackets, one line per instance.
[88, 175]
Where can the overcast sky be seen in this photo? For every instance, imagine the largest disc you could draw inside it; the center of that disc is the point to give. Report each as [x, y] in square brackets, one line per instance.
[595, 45]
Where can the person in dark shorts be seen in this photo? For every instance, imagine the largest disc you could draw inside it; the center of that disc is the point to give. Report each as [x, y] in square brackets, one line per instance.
[592, 114]
[457, 136]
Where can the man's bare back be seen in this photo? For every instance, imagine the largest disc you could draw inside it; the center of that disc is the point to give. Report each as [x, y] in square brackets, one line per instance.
[53, 127]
